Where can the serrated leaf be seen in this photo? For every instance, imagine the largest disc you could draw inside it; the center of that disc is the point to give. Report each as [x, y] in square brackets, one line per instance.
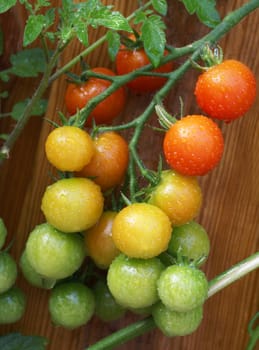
[28, 62]
[112, 20]
[3, 137]
[81, 32]
[5, 5]
[17, 341]
[113, 39]
[19, 108]
[33, 28]
[160, 6]
[205, 10]
[153, 37]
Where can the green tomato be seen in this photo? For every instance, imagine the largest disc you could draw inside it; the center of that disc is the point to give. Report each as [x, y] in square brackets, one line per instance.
[71, 304]
[133, 281]
[8, 271]
[182, 288]
[107, 309]
[12, 305]
[174, 323]
[33, 277]
[191, 241]
[54, 254]
[3, 233]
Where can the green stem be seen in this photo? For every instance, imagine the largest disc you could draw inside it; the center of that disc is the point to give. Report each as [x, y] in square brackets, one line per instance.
[125, 334]
[254, 333]
[233, 274]
[140, 327]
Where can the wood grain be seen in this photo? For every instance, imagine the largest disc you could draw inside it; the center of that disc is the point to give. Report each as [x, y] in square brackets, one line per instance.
[230, 203]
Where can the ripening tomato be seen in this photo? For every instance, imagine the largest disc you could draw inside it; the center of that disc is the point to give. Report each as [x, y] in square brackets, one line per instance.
[69, 148]
[78, 95]
[109, 162]
[141, 230]
[193, 145]
[226, 91]
[73, 204]
[179, 196]
[99, 243]
[128, 60]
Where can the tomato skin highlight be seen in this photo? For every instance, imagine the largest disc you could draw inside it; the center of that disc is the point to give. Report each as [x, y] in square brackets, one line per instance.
[194, 145]
[226, 91]
[77, 96]
[109, 162]
[128, 60]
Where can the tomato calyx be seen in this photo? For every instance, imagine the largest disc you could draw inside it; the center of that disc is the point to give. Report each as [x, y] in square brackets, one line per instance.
[166, 120]
[211, 56]
[132, 42]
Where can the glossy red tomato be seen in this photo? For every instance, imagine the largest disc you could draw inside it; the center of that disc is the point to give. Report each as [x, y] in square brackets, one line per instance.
[193, 145]
[78, 95]
[109, 162]
[226, 91]
[128, 60]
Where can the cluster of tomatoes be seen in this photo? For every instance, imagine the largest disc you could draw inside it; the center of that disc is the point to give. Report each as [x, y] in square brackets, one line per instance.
[147, 254]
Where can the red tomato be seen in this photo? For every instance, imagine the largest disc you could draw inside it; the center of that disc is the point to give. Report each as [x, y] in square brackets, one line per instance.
[109, 162]
[226, 91]
[77, 96]
[128, 60]
[193, 145]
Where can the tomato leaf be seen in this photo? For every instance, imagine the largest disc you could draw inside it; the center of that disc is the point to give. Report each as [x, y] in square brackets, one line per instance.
[28, 62]
[33, 28]
[153, 37]
[160, 6]
[205, 10]
[5, 5]
[38, 109]
[113, 39]
[17, 341]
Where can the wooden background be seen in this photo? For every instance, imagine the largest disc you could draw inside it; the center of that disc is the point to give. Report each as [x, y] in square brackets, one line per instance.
[230, 205]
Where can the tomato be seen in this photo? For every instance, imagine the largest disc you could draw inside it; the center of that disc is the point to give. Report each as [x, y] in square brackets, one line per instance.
[193, 145]
[128, 60]
[226, 91]
[78, 95]
[72, 205]
[99, 243]
[33, 277]
[52, 253]
[173, 323]
[108, 166]
[182, 288]
[8, 271]
[133, 282]
[12, 305]
[141, 230]
[179, 196]
[106, 307]
[69, 148]
[190, 241]
[71, 304]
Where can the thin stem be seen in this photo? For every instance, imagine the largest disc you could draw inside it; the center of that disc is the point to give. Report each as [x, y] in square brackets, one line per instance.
[233, 274]
[140, 327]
[120, 337]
